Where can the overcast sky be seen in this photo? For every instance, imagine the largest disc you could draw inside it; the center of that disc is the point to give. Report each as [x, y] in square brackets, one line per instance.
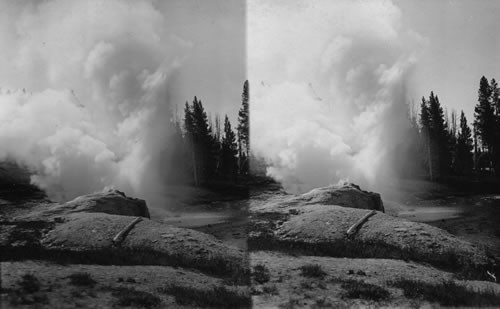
[458, 40]
[463, 44]
[215, 68]
[206, 37]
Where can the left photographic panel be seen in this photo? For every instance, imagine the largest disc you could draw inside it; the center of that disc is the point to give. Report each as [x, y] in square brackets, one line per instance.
[124, 154]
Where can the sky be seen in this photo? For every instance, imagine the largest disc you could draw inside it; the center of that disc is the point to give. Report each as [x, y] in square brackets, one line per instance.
[215, 69]
[88, 88]
[462, 45]
[330, 80]
[207, 36]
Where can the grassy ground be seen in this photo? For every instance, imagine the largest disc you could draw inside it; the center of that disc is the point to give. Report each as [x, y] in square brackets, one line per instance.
[325, 282]
[42, 284]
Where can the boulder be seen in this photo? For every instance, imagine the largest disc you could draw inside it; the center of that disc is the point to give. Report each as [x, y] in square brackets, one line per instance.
[346, 195]
[112, 202]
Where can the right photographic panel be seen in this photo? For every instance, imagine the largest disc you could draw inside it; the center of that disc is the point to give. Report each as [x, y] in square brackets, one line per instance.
[375, 153]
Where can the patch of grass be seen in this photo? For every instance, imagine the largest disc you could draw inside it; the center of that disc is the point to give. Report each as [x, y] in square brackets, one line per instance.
[29, 292]
[306, 285]
[322, 303]
[219, 297]
[292, 303]
[79, 293]
[312, 271]
[235, 269]
[446, 293]
[240, 276]
[261, 274]
[21, 298]
[127, 297]
[359, 289]
[81, 279]
[446, 259]
[29, 283]
[270, 289]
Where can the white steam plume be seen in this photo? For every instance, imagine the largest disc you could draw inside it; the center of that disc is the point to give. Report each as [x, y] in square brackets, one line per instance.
[328, 82]
[94, 111]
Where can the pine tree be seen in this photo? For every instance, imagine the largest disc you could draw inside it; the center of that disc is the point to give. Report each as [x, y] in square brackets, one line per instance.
[229, 151]
[495, 105]
[203, 142]
[217, 128]
[436, 137]
[200, 141]
[483, 114]
[243, 131]
[465, 145]
[439, 136]
[216, 145]
[484, 124]
[188, 119]
[190, 138]
[426, 136]
[495, 97]
[452, 139]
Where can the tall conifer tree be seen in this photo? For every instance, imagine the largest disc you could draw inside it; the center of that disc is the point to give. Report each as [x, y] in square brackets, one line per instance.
[243, 131]
[465, 145]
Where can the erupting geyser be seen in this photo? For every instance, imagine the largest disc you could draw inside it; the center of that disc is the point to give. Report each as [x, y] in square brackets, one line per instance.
[86, 94]
[328, 82]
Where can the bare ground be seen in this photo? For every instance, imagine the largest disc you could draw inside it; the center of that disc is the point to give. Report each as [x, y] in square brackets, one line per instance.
[288, 287]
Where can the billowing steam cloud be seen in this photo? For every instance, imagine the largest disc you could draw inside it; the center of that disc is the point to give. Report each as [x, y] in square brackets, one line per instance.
[328, 82]
[84, 100]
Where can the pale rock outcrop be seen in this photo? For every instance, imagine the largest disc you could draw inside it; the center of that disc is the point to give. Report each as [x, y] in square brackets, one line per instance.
[346, 195]
[321, 230]
[112, 202]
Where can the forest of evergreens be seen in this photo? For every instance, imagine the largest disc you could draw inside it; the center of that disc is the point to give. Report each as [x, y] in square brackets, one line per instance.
[438, 145]
[442, 145]
[206, 151]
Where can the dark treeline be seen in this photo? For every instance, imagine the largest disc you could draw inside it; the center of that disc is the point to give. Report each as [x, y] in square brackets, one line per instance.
[443, 146]
[206, 151]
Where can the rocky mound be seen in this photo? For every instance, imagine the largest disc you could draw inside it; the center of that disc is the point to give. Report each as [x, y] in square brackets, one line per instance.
[297, 225]
[90, 237]
[110, 228]
[101, 250]
[346, 195]
[113, 202]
